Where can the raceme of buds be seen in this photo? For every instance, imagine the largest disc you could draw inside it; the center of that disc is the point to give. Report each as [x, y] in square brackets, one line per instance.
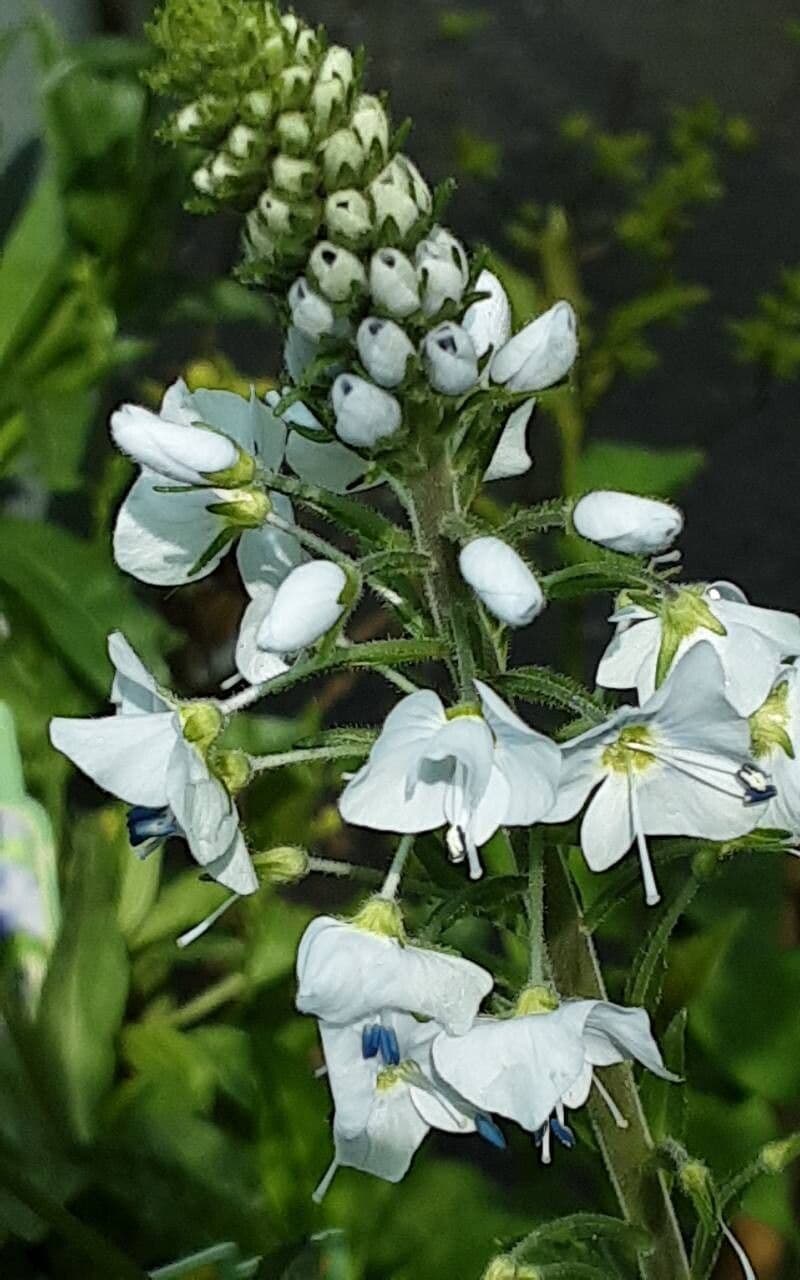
[443, 270]
[364, 414]
[337, 272]
[310, 312]
[384, 349]
[450, 360]
[502, 580]
[625, 522]
[393, 283]
[539, 355]
[186, 453]
[307, 604]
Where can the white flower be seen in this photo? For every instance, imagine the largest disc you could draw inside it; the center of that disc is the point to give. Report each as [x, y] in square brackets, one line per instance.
[364, 414]
[443, 270]
[775, 743]
[306, 605]
[472, 771]
[393, 283]
[511, 457]
[384, 349]
[750, 642]
[168, 538]
[336, 271]
[324, 462]
[502, 580]
[346, 972]
[529, 1068]
[488, 321]
[169, 444]
[21, 906]
[151, 755]
[449, 359]
[625, 522]
[678, 765]
[311, 313]
[268, 562]
[540, 354]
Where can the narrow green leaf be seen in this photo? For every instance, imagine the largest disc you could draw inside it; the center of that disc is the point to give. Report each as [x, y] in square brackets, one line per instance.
[660, 473]
[551, 688]
[591, 577]
[664, 1102]
[644, 984]
[474, 899]
[31, 266]
[589, 1227]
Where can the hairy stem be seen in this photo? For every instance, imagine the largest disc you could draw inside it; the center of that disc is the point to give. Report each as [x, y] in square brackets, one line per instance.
[639, 1187]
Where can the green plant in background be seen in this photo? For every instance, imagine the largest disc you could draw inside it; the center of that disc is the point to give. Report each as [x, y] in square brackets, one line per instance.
[770, 339]
[173, 1105]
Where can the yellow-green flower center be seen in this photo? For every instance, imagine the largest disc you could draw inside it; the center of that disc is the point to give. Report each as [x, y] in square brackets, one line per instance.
[535, 1000]
[382, 916]
[681, 615]
[625, 753]
[389, 1077]
[464, 709]
[769, 725]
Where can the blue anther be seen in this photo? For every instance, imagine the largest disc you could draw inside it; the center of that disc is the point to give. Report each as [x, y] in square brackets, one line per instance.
[489, 1131]
[390, 1049]
[371, 1040]
[757, 787]
[564, 1134]
[150, 824]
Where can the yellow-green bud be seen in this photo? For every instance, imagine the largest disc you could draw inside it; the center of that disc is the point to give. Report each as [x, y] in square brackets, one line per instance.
[382, 916]
[343, 159]
[235, 477]
[232, 767]
[337, 65]
[294, 176]
[273, 53]
[256, 108]
[348, 216]
[371, 125]
[336, 272]
[293, 86]
[294, 132]
[201, 723]
[504, 1267]
[695, 1178]
[535, 1000]
[776, 1156]
[245, 508]
[286, 864]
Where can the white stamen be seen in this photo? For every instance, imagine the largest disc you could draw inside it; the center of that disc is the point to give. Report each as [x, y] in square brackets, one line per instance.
[617, 1116]
[694, 764]
[186, 939]
[546, 1144]
[322, 1190]
[651, 894]
[746, 1265]
[320, 1072]
[475, 868]
[456, 844]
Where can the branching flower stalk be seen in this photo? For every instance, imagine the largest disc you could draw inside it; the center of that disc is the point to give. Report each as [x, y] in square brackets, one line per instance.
[401, 368]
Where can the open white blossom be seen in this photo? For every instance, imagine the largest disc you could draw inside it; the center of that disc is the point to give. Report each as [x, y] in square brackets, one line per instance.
[324, 461]
[502, 580]
[751, 642]
[472, 770]
[678, 765]
[528, 1068]
[152, 755]
[539, 355]
[627, 523]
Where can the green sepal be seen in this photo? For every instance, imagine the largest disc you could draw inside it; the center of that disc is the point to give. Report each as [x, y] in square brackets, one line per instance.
[222, 540]
[681, 616]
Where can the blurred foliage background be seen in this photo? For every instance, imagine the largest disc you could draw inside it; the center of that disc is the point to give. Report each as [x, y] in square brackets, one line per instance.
[164, 1099]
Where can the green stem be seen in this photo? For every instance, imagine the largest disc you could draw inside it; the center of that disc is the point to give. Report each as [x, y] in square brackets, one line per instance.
[628, 1153]
[307, 755]
[230, 988]
[395, 873]
[539, 966]
[106, 1259]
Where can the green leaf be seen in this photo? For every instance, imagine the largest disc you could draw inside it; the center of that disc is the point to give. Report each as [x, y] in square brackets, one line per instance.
[647, 971]
[77, 596]
[474, 899]
[31, 265]
[659, 473]
[589, 1227]
[550, 688]
[590, 577]
[665, 1102]
[85, 990]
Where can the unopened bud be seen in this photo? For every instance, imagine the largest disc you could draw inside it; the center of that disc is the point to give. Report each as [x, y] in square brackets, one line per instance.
[450, 361]
[541, 354]
[273, 54]
[293, 86]
[199, 121]
[627, 523]
[488, 321]
[504, 1267]
[382, 916]
[337, 65]
[695, 1178]
[307, 604]
[342, 159]
[401, 195]
[245, 143]
[256, 108]
[777, 1156]
[187, 453]
[337, 272]
[202, 181]
[327, 104]
[294, 133]
[502, 580]
[287, 864]
[201, 723]
[384, 349]
[243, 508]
[294, 176]
[311, 313]
[393, 283]
[369, 122]
[232, 767]
[443, 269]
[347, 216]
[306, 46]
[365, 414]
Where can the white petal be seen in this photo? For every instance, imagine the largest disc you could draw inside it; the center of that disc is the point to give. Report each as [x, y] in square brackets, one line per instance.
[692, 710]
[266, 556]
[488, 322]
[541, 353]
[634, 646]
[134, 690]
[386, 1147]
[158, 537]
[178, 405]
[345, 974]
[783, 629]
[126, 755]
[329, 464]
[307, 604]
[530, 762]
[234, 868]
[247, 421]
[607, 829]
[351, 1076]
[751, 663]
[202, 806]
[253, 663]
[581, 771]
[613, 1033]
[511, 457]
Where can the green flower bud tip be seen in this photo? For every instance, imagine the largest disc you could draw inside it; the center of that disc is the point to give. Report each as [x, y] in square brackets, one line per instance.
[243, 508]
[706, 863]
[504, 1267]
[286, 864]
[777, 1156]
[463, 709]
[695, 1178]
[232, 767]
[532, 1000]
[382, 916]
[769, 725]
[201, 722]
[237, 476]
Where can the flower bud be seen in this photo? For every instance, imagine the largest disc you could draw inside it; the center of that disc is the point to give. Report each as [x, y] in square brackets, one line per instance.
[327, 104]
[369, 122]
[541, 354]
[259, 241]
[400, 194]
[245, 143]
[348, 217]
[337, 272]
[382, 916]
[393, 283]
[449, 358]
[199, 121]
[443, 269]
[201, 723]
[202, 181]
[294, 176]
[287, 864]
[195, 455]
[310, 312]
[488, 322]
[504, 1267]
[272, 52]
[384, 349]
[233, 769]
[535, 1000]
[257, 107]
[293, 132]
[364, 413]
[224, 171]
[275, 213]
[502, 580]
[306, 605]
[294, 86]
[342, 159]
[243, 508]
[625, 522]
[306, 46]
[337, 65]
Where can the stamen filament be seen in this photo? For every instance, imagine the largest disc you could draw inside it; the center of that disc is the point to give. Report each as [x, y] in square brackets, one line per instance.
[651, 893]
[186, 939]
[616, 1114]
[324, 1186]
